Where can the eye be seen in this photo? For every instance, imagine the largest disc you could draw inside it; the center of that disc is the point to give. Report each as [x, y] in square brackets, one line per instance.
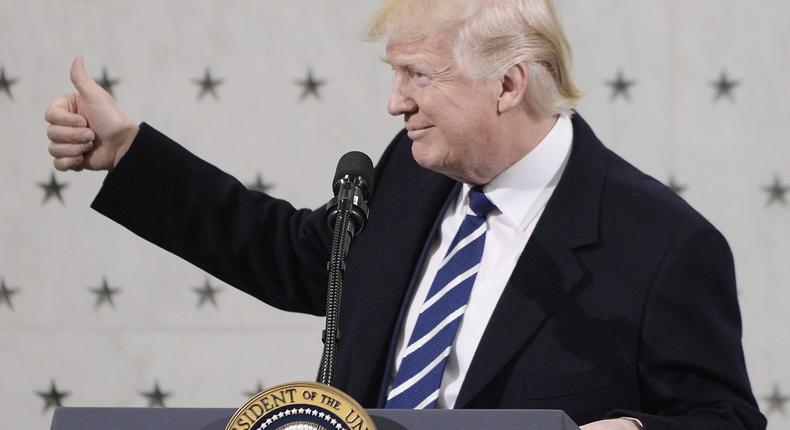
[419, 77]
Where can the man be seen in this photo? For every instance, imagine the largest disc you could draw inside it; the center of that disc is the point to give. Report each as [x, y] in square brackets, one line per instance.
[510, 260]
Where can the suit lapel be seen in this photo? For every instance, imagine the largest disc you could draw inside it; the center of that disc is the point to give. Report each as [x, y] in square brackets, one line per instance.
[547, 271]
[545, 274]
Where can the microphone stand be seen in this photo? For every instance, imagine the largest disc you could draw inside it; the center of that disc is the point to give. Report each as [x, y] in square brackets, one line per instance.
[348, 220]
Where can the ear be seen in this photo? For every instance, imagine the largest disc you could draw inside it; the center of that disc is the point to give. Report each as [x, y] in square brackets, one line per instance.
[513, 88]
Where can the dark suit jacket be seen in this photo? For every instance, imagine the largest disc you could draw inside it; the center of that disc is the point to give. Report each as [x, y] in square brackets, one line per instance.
[623, 302]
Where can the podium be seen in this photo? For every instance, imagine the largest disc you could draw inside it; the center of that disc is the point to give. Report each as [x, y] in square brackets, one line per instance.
[385, 419]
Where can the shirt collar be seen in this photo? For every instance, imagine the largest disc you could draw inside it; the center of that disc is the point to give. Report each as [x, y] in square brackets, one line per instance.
[522, 191]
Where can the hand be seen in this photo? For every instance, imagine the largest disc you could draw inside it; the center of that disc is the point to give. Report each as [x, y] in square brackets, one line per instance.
[86, 129]
[616, 424]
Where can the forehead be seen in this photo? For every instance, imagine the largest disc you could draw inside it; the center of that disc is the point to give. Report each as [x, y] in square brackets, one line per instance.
[430, 51]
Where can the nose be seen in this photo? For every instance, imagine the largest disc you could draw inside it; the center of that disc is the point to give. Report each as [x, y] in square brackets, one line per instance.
[400, 102]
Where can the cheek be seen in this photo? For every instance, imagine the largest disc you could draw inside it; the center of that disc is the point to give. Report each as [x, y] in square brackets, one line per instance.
[467, 132]
[425, 148]
[469, 143]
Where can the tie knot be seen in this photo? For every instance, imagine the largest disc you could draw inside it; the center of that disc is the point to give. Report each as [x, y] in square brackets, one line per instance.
[479, 203]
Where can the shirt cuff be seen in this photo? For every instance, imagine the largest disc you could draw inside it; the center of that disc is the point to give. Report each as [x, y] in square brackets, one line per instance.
[636, 421]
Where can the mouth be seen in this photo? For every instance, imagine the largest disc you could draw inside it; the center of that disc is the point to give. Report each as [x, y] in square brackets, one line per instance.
[417, 132]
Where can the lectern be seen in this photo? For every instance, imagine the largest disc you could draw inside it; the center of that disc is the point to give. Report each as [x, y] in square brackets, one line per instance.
[385, 419]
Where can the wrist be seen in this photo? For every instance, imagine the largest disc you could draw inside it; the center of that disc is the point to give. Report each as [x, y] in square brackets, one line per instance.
[126, 138]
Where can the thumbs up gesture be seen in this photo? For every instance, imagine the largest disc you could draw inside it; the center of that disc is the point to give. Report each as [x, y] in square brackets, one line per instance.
[86, 129]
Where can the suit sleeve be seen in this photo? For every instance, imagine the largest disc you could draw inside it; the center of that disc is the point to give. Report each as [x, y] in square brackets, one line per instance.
[256, 243]
[691, 364]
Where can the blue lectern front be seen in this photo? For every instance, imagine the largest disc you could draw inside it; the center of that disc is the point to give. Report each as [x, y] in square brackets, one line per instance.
[385, 419]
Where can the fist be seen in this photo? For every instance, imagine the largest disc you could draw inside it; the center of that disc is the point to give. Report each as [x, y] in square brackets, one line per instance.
[86, 129]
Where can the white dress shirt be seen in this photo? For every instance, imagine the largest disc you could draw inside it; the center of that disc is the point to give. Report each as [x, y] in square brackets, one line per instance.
[520, 194]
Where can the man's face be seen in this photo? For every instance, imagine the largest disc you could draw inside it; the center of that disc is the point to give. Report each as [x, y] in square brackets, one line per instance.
[450, 117]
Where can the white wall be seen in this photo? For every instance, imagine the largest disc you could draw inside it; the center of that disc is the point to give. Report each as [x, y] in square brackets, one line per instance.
[53, 253]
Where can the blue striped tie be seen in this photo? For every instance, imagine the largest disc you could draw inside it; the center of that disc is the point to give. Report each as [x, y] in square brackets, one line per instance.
[419, 376]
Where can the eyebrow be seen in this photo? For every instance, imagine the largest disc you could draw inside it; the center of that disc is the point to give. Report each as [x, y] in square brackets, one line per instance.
[409, 62]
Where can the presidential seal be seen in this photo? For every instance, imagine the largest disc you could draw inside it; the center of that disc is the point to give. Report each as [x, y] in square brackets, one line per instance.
[301, 406]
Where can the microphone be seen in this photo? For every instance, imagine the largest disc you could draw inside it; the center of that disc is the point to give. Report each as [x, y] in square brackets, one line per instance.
[346, 215]
[352, 185]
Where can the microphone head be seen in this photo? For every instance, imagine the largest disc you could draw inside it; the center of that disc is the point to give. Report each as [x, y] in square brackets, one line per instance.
[358, 168]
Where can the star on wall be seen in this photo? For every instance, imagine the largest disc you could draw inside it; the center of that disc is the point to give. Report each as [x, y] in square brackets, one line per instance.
[52, 189]
[259, 185]
[776, 191]
[776, 401]
[724, 87]
[106, 82]
[310, 86]
[208, 85]
[676, 186]
[104, 293]
[620, 86]
[6, 293]
[53, 397]
[258, 388]
[5, 83]
[156, 397]
[206, 293]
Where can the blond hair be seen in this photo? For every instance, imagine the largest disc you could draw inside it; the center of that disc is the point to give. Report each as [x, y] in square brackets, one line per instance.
[491, 37]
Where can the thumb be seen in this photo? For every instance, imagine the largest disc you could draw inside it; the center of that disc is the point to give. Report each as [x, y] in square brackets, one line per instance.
[87, 87]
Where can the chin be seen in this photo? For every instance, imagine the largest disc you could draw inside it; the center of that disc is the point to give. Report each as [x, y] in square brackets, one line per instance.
[426, 158]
